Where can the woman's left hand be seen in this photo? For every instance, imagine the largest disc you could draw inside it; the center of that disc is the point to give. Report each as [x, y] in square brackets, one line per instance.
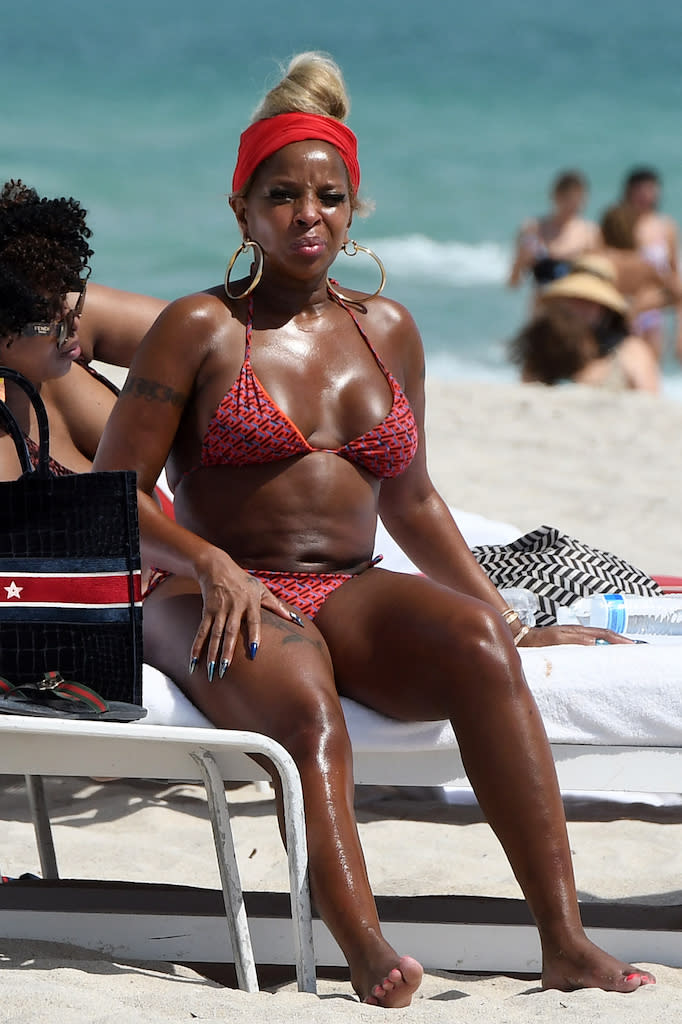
[586, 636]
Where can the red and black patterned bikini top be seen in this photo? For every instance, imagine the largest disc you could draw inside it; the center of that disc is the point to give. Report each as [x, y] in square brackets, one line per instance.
[56, 468]
[249, 428]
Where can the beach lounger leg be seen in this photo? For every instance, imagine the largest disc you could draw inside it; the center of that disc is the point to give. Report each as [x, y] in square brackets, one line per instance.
[235, 911]
[41, 825]
[297, 850]
[299, 884]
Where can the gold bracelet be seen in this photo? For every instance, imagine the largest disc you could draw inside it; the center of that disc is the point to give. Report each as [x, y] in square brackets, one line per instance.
[524, 631]
[509, 616]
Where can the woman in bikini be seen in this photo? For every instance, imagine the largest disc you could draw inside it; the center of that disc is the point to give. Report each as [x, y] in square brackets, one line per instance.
[645, 274]
[656, 238]
[545, 244]
[290, 413]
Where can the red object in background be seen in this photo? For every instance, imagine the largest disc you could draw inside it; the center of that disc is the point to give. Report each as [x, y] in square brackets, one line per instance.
[670, 584]
[165, 502]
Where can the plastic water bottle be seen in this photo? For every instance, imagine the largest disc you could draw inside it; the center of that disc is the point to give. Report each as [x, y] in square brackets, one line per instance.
[524, 602]
[629, 613]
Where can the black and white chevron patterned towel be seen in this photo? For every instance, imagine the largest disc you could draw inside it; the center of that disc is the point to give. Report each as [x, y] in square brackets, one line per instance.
[560, 569]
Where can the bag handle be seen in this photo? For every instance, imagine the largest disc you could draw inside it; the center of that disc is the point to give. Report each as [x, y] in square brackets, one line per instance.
[12, 428]
[43, 468]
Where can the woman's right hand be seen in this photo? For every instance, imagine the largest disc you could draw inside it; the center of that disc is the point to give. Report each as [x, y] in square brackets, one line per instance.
[233, 600]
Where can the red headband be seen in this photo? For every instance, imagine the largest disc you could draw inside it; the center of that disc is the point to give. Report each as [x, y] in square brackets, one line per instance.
[263, 138]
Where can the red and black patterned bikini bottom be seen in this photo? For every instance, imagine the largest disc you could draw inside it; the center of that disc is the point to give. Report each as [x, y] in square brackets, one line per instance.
[305, 590]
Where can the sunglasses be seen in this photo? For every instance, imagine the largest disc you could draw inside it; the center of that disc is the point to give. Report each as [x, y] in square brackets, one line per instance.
[61, 329]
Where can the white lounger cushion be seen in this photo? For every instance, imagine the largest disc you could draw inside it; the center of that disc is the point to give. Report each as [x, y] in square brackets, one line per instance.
[605, 696]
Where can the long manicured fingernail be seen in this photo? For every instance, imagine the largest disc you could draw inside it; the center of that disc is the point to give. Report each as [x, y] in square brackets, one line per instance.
[211, 670]
[224, 665]
[193, 662]
[640, 641]
[296, 618]
[253, 650]
[599, 642]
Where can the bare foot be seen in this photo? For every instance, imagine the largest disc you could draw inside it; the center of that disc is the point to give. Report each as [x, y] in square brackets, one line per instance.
[399, 984]
[590, 967]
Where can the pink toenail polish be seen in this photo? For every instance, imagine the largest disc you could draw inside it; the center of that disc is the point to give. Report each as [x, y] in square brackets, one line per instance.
[629, 977]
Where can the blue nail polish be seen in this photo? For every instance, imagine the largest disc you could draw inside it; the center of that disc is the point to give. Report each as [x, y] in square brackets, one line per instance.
[599, 642]
[193, 662]
[296, 618]
[211, 670]
[253, 650]
[640, 641]
[224, 665]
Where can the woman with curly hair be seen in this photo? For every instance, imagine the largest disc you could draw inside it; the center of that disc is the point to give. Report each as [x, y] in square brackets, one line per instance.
[52, 322]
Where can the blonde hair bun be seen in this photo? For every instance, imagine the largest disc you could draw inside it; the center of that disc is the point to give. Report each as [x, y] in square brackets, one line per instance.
[311, 84]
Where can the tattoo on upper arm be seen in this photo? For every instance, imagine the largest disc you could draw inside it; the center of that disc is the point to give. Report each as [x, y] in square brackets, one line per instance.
[153, 391]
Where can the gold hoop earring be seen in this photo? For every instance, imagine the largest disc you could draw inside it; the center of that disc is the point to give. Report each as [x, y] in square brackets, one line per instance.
[247, 244]
[353, 252]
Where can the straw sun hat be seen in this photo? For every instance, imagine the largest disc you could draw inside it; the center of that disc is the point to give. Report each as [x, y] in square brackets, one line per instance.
[592, 278]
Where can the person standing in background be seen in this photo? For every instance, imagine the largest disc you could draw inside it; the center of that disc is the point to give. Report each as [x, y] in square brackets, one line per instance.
[648, 288]
[656, 238]
[544, 244]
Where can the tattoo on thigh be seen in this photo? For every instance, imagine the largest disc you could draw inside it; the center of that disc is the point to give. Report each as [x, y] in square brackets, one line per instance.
[153, 391]
[293, 634]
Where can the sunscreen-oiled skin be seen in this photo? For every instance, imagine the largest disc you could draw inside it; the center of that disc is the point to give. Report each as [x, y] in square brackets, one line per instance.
[411, 647]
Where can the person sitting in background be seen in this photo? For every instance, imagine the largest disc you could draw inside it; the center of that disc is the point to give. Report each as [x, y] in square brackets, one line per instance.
[656, 238]
[44, 300]
[580, 333]
[561, 236]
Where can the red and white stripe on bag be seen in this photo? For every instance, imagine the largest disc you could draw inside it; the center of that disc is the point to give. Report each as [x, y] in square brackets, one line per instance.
[73, 590]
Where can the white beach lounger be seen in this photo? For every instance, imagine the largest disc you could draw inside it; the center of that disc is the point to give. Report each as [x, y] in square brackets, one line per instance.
[601, 739]
[594, 750]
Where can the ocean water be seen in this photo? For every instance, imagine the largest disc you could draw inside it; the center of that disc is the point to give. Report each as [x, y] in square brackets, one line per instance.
[464, 114]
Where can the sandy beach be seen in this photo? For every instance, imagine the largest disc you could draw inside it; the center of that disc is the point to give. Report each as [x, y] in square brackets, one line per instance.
[605, 468]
